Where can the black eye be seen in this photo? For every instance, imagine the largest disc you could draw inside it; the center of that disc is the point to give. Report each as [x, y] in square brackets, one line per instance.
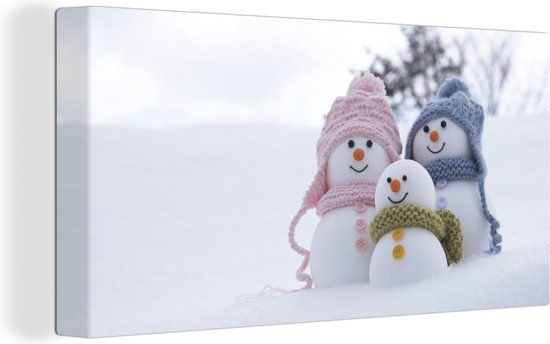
[369, 143]
[443, 124]
[351, 143]
[404, 178]
[389, 180]
[426, 128]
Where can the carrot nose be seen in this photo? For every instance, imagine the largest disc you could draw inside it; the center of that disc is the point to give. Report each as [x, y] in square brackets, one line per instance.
[434, 136]
[395, 185]
[358, 154]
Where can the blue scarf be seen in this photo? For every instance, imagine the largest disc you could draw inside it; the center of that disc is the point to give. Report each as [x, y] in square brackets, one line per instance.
[444, 170]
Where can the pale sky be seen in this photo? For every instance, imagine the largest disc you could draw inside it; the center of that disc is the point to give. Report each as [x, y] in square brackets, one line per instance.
[158, 69]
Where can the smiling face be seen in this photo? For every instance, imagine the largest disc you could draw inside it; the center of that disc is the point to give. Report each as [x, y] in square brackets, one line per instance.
[404, 182]
[356, 159]
[440, 138]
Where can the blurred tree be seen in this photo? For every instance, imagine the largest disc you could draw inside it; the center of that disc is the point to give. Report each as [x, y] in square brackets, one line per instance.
[484, 59]
[426, 62]
[504, 84]
[489, 66]
[533, 94]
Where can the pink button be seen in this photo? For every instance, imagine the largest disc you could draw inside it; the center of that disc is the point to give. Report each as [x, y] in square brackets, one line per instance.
[360, 224]
[361, 244]
[360, 207]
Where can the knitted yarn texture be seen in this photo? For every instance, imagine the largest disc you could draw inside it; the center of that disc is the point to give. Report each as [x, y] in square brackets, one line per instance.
[345, 195]
[452, 169]
[442, 223]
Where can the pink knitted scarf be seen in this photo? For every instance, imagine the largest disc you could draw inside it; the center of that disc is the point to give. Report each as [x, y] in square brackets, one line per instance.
[345, 195]
[336, 197]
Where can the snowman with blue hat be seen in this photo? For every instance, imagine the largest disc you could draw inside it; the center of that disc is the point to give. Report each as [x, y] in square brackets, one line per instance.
[446, 140]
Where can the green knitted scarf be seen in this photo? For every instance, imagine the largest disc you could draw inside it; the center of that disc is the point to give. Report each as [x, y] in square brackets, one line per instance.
[442, 223]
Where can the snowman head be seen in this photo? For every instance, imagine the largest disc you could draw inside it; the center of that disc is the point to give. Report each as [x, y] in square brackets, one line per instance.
[359, 158]
[438, 139]
[450, 126]
[359, 138]
[404, 182]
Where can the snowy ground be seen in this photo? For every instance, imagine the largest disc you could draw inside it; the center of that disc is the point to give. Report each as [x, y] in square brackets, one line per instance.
[183, 221]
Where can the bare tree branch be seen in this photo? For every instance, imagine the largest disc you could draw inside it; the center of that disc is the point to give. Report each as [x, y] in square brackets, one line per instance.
[426, 62]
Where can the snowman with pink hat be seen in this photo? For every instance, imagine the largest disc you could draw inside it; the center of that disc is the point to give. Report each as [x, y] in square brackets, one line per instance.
[358, 141]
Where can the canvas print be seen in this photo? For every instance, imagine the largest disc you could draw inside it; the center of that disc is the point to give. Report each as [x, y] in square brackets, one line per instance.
[219, 170]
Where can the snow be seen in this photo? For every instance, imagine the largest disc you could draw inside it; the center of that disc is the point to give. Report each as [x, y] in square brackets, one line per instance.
[183, 221]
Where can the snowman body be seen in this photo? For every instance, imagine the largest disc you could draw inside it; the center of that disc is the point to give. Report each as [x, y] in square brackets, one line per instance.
[442, 139]
[406, 254]
[462, 198]
[341, 247]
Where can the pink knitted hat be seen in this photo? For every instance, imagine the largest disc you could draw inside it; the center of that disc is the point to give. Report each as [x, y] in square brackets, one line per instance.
[364, 111]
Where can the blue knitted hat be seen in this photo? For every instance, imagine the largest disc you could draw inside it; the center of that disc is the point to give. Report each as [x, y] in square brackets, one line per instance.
[453, 101]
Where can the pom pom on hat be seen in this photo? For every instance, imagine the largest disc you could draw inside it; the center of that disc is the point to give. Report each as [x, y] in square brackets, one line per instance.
[451, 86]
[368, 83]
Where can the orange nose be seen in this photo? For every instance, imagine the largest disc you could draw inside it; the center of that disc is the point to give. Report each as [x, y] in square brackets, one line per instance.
[395, 185]
[358, 154]
[434, 136]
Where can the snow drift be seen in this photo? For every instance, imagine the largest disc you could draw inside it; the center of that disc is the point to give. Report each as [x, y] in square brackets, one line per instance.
[183, 221]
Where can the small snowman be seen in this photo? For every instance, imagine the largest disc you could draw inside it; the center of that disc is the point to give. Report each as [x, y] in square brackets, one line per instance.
[446, 140]
[413, 242]
[358, 141]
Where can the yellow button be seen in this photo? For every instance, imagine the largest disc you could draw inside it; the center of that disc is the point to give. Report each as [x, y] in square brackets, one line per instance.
[398, 251]
[398, 233]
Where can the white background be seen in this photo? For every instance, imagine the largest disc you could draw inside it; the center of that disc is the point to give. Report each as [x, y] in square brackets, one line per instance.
[27, 175]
